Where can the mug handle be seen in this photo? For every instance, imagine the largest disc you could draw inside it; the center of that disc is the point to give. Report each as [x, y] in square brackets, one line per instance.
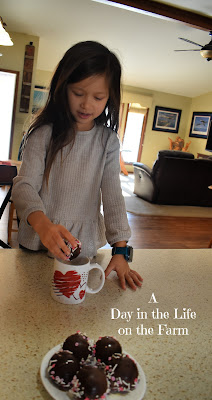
[96, 266]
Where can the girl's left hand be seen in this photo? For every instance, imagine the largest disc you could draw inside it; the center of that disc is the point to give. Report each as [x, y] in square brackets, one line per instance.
[125, 274]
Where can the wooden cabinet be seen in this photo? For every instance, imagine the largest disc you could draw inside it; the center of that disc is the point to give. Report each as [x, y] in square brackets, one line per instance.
[27, 78]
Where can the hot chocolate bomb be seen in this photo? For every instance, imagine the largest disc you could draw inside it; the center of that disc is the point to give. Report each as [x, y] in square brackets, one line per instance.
[74, 251]
[79, 345]
[90, 372]
[105, 347]
[90, 383]
[62, 367]
[122, 374]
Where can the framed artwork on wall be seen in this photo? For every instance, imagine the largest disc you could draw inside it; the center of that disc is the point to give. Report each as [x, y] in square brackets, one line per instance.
[39, 98]
[166, 119]
[200, 124]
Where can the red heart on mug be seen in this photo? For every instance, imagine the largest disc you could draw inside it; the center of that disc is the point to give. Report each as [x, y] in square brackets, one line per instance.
[82, 294]
[67, 283]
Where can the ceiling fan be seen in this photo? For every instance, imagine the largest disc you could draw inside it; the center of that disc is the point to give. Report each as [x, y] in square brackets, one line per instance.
[205, 51]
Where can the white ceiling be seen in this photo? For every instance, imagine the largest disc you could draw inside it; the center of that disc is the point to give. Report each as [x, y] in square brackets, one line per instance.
[144, 44]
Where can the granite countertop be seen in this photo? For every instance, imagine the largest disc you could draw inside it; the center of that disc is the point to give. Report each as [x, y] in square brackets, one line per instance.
[170, 339]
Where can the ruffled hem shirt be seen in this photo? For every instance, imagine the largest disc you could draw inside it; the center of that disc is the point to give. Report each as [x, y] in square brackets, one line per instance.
[81, 178]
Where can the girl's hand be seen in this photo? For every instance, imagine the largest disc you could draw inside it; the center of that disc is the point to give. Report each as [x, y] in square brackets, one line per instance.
[51, 235]
[125, 274]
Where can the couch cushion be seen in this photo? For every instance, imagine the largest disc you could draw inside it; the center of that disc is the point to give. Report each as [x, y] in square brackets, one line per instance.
[174, 153]
[168, 153]
[184, 182]
[142, 167]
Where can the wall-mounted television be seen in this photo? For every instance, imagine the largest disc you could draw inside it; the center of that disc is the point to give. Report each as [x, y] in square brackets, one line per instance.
[209, 139]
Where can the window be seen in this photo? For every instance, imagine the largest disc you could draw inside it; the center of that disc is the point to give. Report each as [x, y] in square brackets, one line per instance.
[132, 135]
[8, 93]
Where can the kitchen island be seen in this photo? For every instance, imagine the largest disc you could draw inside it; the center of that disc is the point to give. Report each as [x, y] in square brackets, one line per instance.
[165, 325]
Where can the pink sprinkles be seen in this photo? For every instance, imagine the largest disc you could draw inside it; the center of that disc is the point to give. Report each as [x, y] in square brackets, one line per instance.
[117, 384]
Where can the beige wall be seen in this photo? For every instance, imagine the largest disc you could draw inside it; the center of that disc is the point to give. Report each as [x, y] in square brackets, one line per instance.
[198, 104]
[43, 78]
[156, 140]
[13, 59]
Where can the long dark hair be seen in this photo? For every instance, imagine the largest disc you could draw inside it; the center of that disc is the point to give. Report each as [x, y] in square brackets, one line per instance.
[81, 61]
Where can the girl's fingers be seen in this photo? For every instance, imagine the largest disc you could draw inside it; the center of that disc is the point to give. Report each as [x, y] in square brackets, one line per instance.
[136, 277]
[64, 234]
[122, 281]
[54, 241]
[137, 274]
[67, 235]
[59, 254]
[130, 282]
[54, 246]
[108, 270]
[136, 280]
[124, 273]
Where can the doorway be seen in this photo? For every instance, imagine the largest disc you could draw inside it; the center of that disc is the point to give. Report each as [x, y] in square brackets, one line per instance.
[133, 120]
[8, 97]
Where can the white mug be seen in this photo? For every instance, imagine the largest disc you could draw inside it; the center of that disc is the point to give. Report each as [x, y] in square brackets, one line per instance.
[69, 283]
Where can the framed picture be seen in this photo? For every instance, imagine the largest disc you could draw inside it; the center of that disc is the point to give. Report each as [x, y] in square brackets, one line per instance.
[166, 119]
[39, 98]
[200, 124]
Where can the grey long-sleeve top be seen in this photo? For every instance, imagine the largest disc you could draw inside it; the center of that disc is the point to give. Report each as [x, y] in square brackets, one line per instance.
[77, 182]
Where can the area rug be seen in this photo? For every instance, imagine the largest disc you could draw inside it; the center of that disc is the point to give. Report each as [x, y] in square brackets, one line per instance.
[136, 205]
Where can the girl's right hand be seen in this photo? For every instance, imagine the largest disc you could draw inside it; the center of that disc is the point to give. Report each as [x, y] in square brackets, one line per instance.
[52, 235]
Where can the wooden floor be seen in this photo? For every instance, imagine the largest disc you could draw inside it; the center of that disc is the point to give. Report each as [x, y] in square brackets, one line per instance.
[149, 232]
[152, 232]
[158, 232]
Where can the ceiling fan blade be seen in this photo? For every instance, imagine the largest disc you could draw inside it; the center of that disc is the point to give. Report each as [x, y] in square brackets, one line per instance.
[189, 41]
[188, 50]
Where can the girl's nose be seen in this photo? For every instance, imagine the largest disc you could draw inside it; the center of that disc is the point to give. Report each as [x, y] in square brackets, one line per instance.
[84, 102]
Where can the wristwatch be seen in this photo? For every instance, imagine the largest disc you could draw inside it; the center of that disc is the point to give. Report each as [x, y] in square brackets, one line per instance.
[126, 251]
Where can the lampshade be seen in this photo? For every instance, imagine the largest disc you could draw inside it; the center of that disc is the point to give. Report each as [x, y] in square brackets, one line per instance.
[5, 39]
[206, 51]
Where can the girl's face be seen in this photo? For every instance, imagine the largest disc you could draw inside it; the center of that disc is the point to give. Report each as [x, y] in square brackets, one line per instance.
[87, 100]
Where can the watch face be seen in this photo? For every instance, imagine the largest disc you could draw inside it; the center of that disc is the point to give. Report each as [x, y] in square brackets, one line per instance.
[130, 253]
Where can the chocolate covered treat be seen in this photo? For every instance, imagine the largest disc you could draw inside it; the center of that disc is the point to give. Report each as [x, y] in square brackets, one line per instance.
[90, 371]
[90, 383]
[79, 345]
[122, 374]
[74, 251]
[62, 367]
[105, 347]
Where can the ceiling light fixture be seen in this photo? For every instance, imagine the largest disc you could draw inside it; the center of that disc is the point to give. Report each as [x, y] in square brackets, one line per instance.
[5, 39]
[206, 51]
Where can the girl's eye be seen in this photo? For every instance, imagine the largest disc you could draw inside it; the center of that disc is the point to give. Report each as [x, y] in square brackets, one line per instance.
[77, 94]
[97, 98]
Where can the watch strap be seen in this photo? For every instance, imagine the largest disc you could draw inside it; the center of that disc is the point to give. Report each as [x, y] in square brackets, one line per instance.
[119, 250]
[126, 251]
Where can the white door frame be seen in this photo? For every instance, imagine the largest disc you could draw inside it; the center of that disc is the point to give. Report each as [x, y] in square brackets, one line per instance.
[14, 106]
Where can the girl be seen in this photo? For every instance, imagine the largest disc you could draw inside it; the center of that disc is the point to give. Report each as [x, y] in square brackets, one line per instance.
[71, 162]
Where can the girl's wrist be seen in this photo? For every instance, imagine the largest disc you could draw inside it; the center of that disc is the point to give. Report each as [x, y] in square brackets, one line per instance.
[37, 219]
[122, 243]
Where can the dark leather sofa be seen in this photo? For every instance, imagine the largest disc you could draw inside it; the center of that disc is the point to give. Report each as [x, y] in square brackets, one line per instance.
[177, 178]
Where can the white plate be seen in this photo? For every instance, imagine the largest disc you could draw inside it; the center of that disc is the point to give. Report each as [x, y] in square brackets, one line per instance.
[57, 394]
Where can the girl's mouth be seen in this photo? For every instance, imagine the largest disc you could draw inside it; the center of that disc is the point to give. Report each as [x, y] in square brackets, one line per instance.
[83, 115]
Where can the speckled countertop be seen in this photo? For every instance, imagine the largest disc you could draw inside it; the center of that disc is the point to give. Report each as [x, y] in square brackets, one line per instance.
[177, 362]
